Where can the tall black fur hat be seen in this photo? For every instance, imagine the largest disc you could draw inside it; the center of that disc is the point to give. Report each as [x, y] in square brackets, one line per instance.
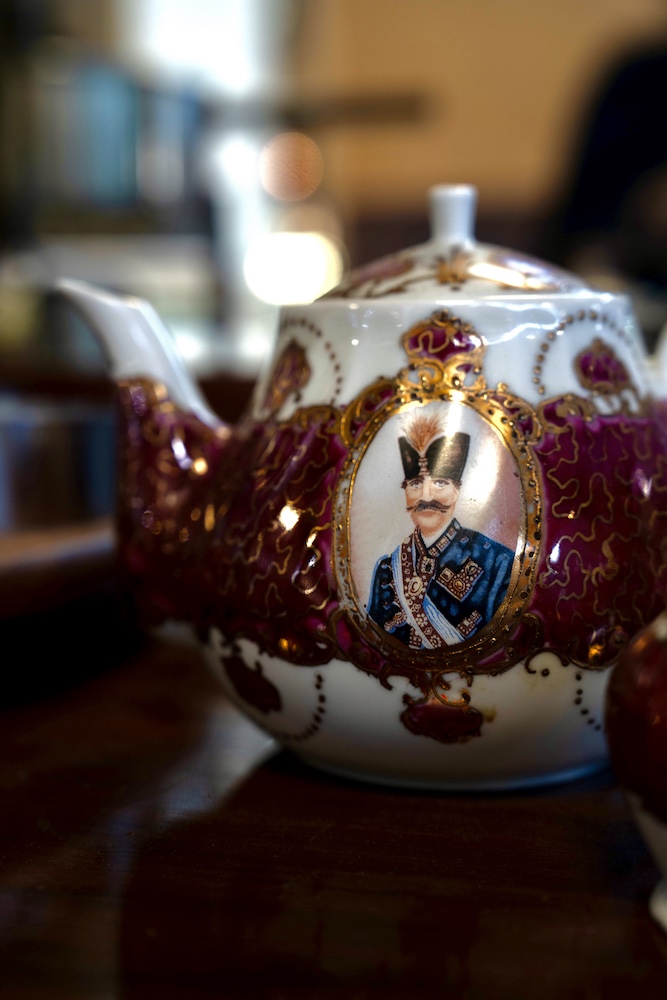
[426, 449]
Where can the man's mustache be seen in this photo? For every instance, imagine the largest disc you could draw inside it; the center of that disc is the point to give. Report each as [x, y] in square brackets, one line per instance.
[429, 505]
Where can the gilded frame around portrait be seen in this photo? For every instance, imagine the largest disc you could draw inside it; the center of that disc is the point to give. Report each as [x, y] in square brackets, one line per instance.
[428, 382]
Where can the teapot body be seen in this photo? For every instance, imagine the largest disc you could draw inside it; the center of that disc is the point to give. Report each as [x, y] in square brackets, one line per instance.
[464, 647]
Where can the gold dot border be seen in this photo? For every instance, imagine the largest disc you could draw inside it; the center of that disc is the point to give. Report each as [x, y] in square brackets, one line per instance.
[328, 348]
[594, 315]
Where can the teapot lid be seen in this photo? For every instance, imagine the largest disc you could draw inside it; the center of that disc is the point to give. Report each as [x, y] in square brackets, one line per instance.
[452, 260]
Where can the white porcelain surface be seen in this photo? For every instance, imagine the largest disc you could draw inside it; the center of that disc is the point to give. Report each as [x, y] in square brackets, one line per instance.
[532, 737]
[364, 339]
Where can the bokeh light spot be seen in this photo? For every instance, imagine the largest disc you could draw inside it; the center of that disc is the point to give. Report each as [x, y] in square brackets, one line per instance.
[292, 268]
[291, 166]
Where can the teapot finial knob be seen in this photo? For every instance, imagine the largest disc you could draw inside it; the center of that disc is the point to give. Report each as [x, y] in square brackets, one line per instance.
[453, 214]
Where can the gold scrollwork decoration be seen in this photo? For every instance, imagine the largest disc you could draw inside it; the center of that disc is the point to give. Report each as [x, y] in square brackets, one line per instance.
[449, 344]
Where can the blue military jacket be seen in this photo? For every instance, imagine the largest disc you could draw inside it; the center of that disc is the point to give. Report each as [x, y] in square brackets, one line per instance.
[443, 594]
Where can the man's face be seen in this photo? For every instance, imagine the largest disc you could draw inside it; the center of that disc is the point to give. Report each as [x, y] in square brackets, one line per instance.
[431, 502]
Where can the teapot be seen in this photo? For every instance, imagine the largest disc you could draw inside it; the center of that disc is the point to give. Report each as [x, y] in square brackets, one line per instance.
[442, 518]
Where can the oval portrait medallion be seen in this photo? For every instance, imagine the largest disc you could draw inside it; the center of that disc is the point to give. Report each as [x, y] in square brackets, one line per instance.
[437, 542]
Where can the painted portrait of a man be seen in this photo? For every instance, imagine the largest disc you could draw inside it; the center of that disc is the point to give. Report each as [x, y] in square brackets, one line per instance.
[444, 582]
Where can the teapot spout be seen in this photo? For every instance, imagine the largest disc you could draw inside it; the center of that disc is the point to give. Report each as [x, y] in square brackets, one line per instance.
[172, 454]
[136, 343]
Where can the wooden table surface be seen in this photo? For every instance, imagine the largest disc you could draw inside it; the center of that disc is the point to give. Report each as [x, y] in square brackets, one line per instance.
[155, 844]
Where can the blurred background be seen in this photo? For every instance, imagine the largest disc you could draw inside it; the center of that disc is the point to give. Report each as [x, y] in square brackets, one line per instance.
[222, 157]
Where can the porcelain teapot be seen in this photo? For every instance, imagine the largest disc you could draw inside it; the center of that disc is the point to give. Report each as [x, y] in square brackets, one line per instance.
[441, 520]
